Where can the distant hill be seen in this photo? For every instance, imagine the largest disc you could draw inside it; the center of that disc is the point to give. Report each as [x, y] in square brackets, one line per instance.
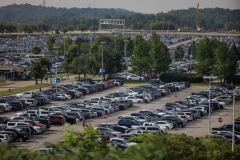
[209, 18]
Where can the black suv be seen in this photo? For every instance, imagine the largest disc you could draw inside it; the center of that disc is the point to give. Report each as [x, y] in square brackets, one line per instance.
[113, 76]
[21, 136]
[4, 120]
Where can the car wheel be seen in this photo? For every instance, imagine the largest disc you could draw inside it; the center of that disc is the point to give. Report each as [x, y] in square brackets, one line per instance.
[167, 127]
[20, 139]
[35, 132]
[129, 79]
[139, 101]
[180, 126]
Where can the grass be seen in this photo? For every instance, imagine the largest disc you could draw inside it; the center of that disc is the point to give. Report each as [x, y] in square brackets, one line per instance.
[2, 83]
[25, 88]
[204, 84]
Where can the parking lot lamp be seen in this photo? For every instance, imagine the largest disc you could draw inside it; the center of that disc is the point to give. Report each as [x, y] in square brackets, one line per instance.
[233, 129]
[56, 47]
[102, 60]
[125, 41]
[23, 45]
[209, 107]
[18, 37]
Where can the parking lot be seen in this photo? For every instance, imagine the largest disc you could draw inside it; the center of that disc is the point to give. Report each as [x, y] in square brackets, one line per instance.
[194, 128]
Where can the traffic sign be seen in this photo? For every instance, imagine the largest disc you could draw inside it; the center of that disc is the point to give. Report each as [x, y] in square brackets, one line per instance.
[175, 95]
[101, 70]
[220, 120]
[105, 116]
[9, 90]
[56, 80]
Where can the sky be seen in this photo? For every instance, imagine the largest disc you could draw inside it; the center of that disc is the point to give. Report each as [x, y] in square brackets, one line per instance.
[142, 6]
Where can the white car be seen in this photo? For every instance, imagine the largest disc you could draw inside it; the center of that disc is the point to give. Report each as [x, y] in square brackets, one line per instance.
[6, 106]
[165, 124]
[133, 77]
[4, 138]
[60, 96]
[67, 96]
[121, 142]
[135, 99]
[37, 130]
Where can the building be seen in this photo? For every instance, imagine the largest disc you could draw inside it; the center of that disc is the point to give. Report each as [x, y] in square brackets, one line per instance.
[12, 72]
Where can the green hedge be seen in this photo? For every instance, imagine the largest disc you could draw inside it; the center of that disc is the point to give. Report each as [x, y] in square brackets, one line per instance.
[235, 79]
[176, 77]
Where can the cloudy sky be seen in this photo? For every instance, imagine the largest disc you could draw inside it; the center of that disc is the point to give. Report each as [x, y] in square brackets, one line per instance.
[143, 6]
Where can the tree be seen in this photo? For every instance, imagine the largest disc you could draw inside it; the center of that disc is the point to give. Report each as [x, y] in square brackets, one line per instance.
[85, 48]
[81, 27]
[235, 50]
[36, 50]
[37, 70]
[78, 66]
[66, 67]
[46, 65]
[179, 52]
[205, 57]
[50, 41]
[141, 59]
[70, 28]
[226, 61]
[72, 52]
[160, 56]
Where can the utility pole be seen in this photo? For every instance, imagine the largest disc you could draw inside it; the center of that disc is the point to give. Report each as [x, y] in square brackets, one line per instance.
[125, 50]
[18, 37]
[102, 60]
[233, 129]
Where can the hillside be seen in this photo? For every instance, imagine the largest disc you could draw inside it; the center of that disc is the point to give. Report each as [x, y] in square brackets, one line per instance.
[209, 18]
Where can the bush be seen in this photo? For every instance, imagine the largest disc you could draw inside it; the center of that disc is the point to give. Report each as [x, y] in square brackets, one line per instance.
[235, 79]
[175, 77]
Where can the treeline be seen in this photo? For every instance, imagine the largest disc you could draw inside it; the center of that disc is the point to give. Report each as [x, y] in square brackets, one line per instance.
[58, 18]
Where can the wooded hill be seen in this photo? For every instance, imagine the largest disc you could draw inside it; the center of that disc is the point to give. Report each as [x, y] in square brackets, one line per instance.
[57, 18]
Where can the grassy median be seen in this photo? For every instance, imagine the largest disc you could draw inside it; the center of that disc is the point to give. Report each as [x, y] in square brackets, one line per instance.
[22, 89]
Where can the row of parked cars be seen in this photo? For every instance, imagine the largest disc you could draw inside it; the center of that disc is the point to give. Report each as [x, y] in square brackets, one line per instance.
[172, 115]
[37, 120]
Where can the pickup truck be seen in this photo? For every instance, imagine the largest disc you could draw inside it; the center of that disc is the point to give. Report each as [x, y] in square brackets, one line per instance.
[28, 95]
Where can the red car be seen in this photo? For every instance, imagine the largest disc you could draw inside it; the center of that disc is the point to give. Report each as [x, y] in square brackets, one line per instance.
[37, 123]
[57, 120]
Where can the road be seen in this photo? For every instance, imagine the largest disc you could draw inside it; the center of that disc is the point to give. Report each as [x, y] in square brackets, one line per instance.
[195, 128]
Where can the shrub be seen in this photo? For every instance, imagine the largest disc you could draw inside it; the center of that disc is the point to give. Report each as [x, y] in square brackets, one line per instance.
[175, 77]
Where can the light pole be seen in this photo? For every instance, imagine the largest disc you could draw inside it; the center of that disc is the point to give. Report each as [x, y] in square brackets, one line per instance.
[115, 41]
[209, 106]
[233, 129]
[18, 37]
[92, 23]
[102, 60]
[125, 50]
[56, 47]
[163, 23]
[64, 48]
[23, 45]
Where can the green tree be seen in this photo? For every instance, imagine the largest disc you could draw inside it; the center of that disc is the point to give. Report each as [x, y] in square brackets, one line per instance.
[141, 59]
[235, 50]
[66, 67]
[160, 55]
[72, 52]
[226, 61]
[179, 52]
[79, 65]
[37, 71]
[81, 27]
[70, 28]
[46, 65]
[36, 50]
[205, 57]
[50, 41]
[85, 48]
